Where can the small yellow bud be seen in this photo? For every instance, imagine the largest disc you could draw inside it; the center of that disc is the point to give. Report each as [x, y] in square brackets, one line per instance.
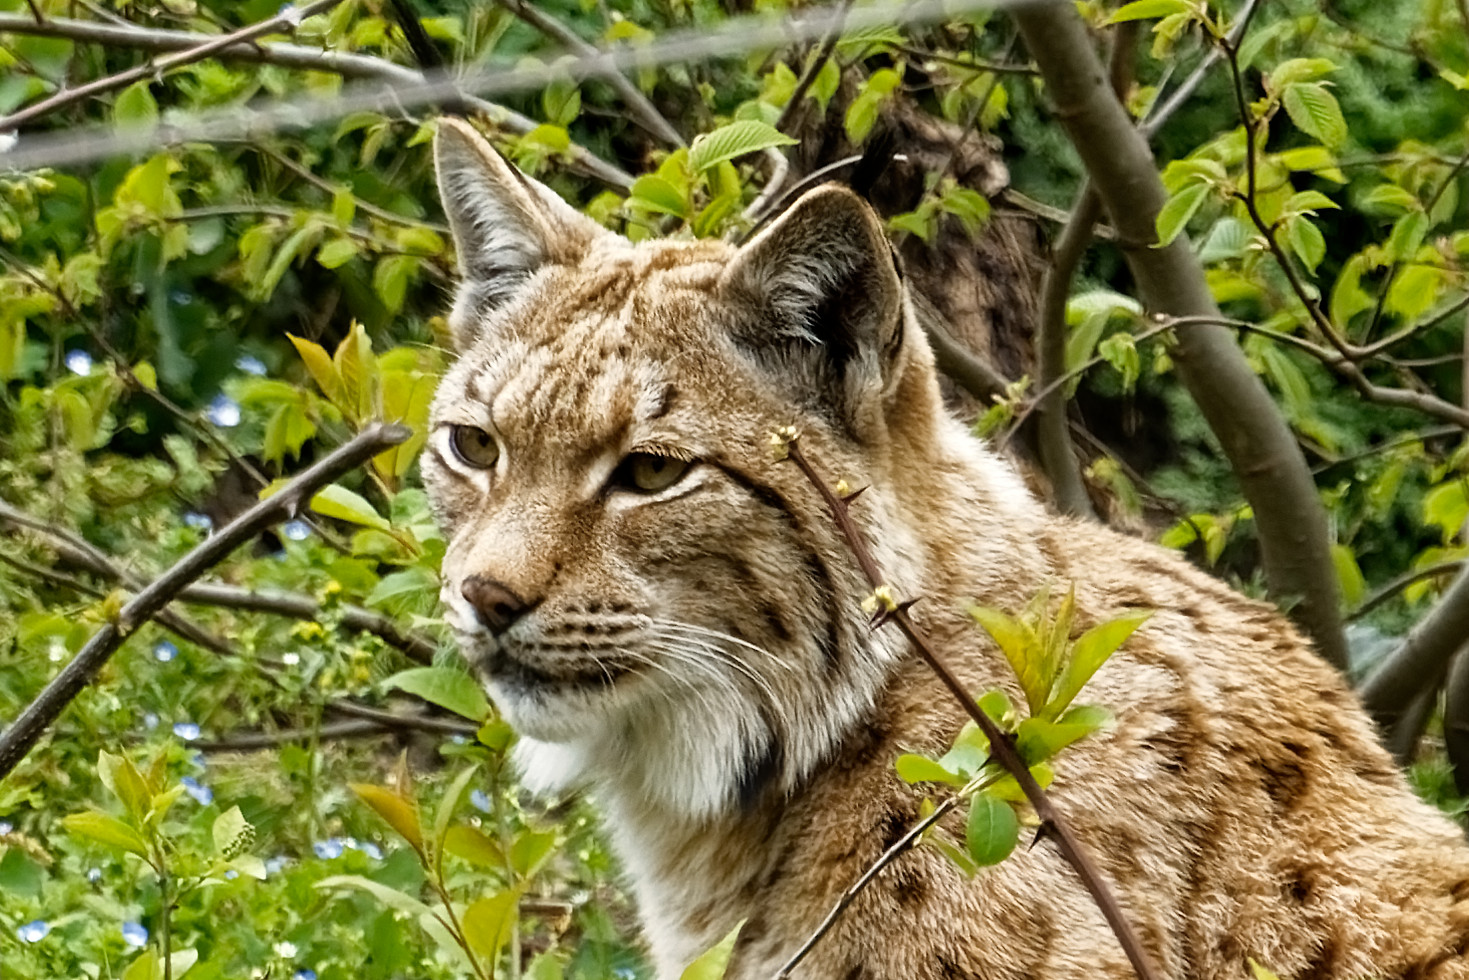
[882, 599]
[843, 488]
[780, 441]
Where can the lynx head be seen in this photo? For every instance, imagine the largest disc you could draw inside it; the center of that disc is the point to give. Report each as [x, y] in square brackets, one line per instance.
[648, 595]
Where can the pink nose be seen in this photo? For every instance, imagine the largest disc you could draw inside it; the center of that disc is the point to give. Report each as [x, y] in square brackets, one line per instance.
[495, 605]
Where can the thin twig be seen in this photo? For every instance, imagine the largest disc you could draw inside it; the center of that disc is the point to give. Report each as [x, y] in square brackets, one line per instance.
[643, 112]
[288, 17]
[254, 741]
[1002, 747]
[414, 722]
[814, 68]
[887, 857]
[1391, 589]
[21, 736]
[1162, 113]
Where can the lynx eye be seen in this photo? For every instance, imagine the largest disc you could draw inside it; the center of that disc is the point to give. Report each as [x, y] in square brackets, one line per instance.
[474, 446]
[649, 472]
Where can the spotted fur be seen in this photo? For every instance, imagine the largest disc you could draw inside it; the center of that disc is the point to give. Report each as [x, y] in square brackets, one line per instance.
[695, 658]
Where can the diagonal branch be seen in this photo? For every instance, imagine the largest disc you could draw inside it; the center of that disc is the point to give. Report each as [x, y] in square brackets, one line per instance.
[1002, 746]
[18, 739]
[345, 64]
[642, 111]
[288, 17]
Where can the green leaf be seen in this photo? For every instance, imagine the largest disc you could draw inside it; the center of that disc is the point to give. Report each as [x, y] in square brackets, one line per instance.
[1087, 655]
[734, 140]
[1348, 298]
[530, 850]
[106, 829]
[120, 776]
[473, 846]
[1147, 10]
[1407, 236]
[969, 753]
[921, 769]
[489, 922]
[449, 804]
[1020, 646]
[146, 967]
[337, 501]
[390, 897]
[1447, 506]
[1174, 216]
[1037, 739]
[1297, 70]
[1388, 198]
[336, 253]
[1306, 241]
[655, 193]
[992, 830]
[232, 833]
[713, 962]
[1348, 575]
[451, 689]
[399, 811]
[319, 365]
[1315, 112]
[1309, 201]
[135, 107]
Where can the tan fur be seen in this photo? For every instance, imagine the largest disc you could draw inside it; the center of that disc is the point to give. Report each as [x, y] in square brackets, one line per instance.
[1241, 807]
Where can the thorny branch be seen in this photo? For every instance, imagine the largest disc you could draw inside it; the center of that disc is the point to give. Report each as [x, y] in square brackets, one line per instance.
[1002, 747]
[22, 735]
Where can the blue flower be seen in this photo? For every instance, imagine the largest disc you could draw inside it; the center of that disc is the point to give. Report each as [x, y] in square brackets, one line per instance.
[371, 850]
[275, 864]
[134, 934]
[250, 364]
[231, 874]
[79, 362]
[223, 411]
[202, 794]
[304, 974]
[150, 721]
[94, 875]
[33, 932]
[195, 519]
[164, 651]
[6, 826]
[296, 530]
[186, 730]
[329, 848]
[480, 800]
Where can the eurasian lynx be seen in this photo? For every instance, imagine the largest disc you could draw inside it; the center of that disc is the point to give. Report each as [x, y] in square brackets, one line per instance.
[670, 620]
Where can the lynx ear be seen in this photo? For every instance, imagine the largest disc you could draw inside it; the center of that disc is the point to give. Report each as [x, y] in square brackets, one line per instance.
[829, 300]
[506, 225]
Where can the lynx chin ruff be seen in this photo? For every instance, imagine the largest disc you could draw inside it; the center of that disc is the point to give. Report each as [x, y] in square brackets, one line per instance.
[671, 622]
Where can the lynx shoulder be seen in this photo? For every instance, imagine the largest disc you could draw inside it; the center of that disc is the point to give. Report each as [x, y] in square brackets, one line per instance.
[670, 621]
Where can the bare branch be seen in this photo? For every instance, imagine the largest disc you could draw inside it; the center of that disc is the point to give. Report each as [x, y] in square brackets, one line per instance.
[391, 724]
[1430, 644]
[956, 361]
[1439, 570]
[641, 110]
[1002, 747]
[288, 17]
[1162, 113]
[21, 736]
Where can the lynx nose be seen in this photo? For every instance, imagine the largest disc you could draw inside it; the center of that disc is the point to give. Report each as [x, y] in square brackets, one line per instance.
[495, 605]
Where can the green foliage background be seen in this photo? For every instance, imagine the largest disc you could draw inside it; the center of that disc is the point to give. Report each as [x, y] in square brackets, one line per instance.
[179, 329]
